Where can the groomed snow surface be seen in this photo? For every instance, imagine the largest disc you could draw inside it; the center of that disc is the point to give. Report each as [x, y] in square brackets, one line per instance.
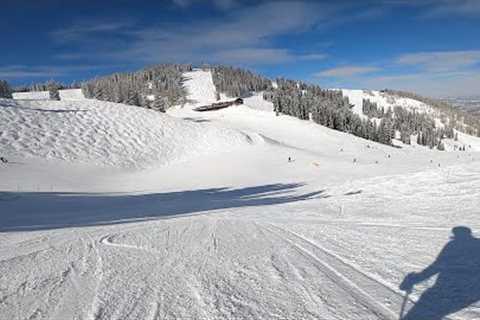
[115, 212]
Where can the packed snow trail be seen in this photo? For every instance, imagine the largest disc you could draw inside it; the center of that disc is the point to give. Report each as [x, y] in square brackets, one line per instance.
[232, 231]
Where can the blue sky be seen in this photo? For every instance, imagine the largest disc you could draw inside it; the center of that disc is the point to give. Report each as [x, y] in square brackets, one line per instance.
[428, 46]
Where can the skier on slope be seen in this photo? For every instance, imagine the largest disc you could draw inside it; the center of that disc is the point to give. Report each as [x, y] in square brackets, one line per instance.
[458, 281]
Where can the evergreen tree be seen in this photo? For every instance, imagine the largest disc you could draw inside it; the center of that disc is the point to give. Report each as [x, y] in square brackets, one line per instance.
[52, 88]
[5, 90]
[237, 82]
[133, 88]
[159, 104]
[441, 146]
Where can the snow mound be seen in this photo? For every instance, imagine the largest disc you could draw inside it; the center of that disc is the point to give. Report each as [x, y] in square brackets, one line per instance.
[34, 95]
[71, 94]
[105, 133]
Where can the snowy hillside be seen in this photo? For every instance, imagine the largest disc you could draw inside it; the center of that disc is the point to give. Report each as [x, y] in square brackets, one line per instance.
[388, 101]
[231, 214]
[356, 98]
[105, 133]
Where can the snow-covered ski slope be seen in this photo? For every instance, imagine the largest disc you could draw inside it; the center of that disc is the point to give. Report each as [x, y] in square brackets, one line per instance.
[237, 232]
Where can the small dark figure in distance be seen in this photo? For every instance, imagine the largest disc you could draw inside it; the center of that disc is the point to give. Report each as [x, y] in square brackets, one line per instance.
[3, 160]
[289, 159]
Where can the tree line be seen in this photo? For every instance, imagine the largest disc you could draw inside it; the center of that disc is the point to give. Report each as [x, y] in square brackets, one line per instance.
[328, 108]
[460, 120]
[46, 86]
[371, 109]
[51, 86]
[157, 87]
[5, 89]
[237, 82]
[408, 123]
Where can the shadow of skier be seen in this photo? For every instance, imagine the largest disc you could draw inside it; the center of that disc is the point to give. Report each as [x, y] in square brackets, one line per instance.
[458, 281]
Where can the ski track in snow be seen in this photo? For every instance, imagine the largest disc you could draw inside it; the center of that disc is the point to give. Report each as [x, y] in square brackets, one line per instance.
[223, 226]
[380, 295]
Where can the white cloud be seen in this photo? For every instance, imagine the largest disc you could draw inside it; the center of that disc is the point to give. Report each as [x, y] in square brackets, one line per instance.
[439, 74]
[20, 71]
[441, 61]
[182, 3]
[220, 4]
[449, 8]
[346, 71]
[86, 29]
[435, 9]
[243, 36]
[253, 56]
[312, 56]
[23, 71]
[435, 85]
[225, 4]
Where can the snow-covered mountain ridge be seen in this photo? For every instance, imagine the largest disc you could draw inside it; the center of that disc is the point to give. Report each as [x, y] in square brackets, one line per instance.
[438, 123]
[390, 117]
